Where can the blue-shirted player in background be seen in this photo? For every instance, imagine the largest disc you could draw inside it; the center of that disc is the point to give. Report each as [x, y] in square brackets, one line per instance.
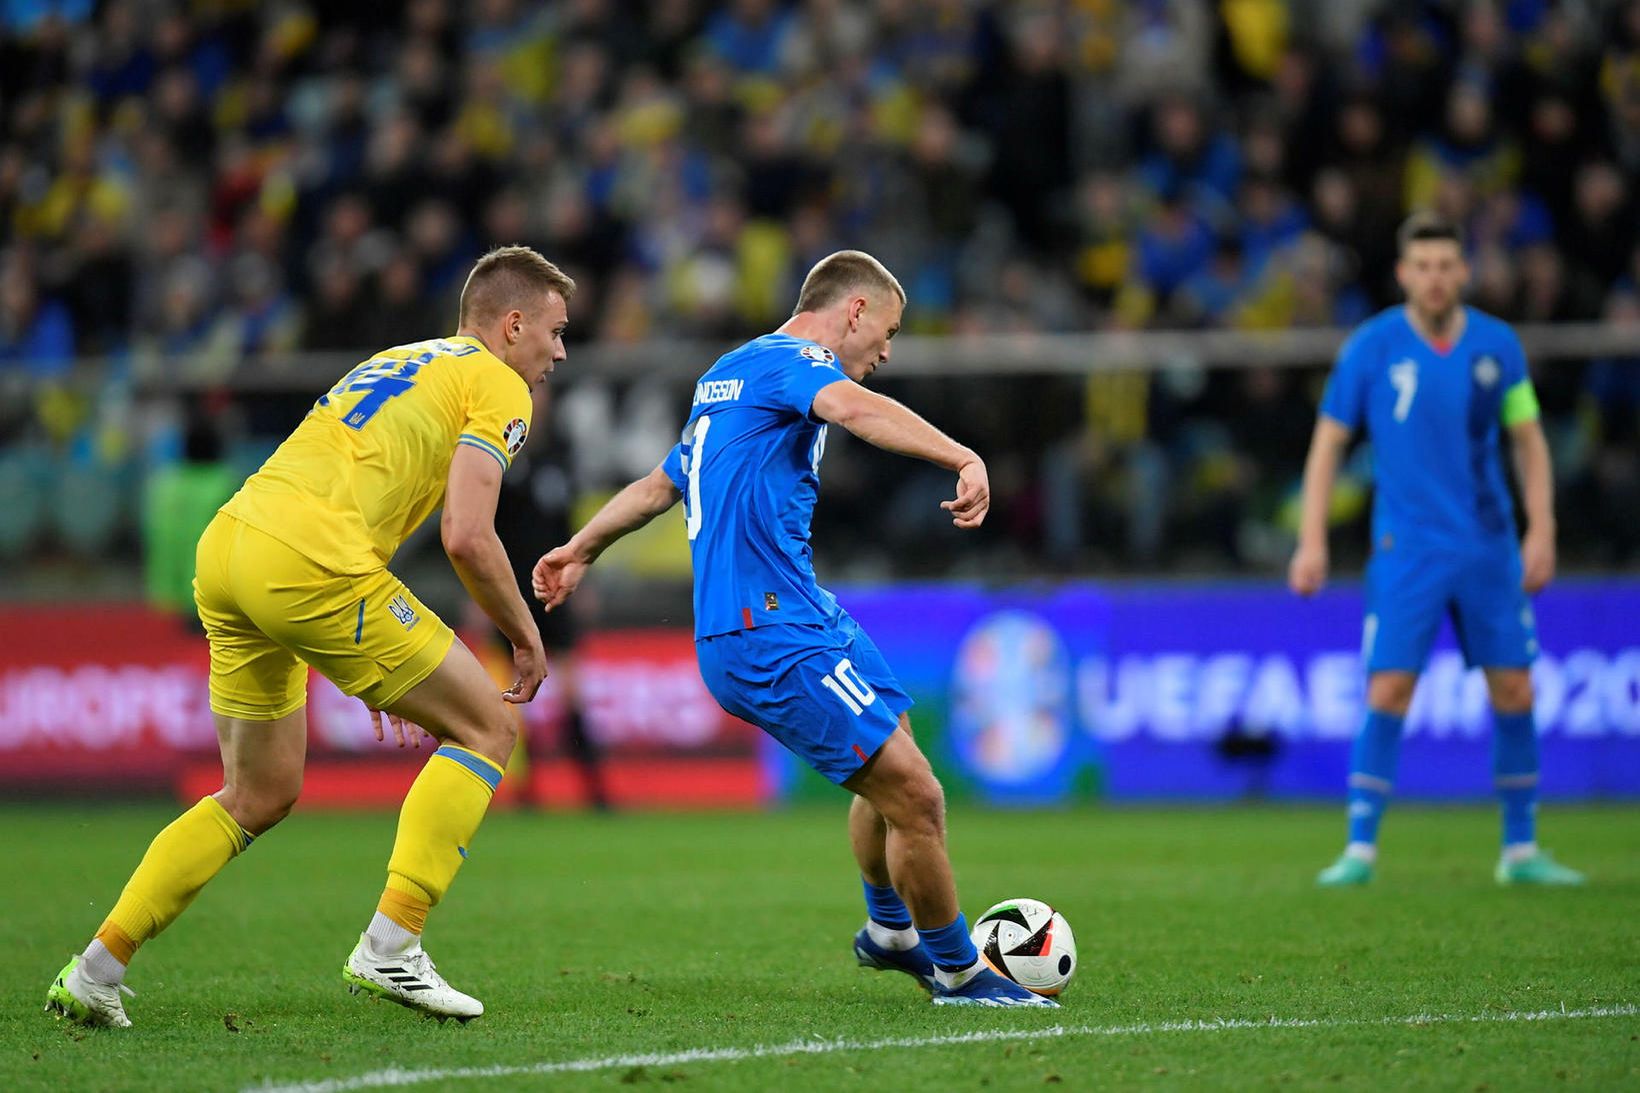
[1432, 381]
[774, 647]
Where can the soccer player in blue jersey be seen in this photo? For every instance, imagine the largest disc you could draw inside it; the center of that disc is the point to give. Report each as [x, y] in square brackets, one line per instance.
[774, 647]
[1432, 382]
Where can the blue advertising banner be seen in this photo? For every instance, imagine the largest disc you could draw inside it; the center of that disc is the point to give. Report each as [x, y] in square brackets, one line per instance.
[1225, 691]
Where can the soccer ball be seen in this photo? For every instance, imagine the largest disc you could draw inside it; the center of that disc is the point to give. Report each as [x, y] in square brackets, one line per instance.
[1029, 942]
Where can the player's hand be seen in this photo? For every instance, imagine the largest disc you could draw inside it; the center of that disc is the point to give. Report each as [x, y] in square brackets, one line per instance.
[401, 727]
[1307, 572]
[1537, 560]
[973, 498]
[556, 575]
[531, 662]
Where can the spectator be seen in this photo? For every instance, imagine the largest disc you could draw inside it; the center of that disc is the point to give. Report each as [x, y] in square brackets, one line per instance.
[1173, 246]
[1469, 145]
[749, 36]
[100, 287]
[1600, 234]
[336, 319]
[1188, 156]
[211, 186]
[36, 334]
[1031, 168]
[398, 311]
[1104, 221]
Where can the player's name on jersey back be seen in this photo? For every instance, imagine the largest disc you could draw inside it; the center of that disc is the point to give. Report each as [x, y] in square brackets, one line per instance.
[718, 391]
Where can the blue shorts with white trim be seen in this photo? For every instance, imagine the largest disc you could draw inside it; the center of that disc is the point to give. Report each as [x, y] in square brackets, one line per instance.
[825, 692]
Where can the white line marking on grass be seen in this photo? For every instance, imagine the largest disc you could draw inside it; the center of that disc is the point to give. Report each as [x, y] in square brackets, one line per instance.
[393, 1076]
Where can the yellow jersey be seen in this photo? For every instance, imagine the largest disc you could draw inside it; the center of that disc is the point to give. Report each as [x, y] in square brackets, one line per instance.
[369, 462]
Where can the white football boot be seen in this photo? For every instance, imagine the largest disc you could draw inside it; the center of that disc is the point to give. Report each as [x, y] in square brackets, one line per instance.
[408, 979]
[84, 1001]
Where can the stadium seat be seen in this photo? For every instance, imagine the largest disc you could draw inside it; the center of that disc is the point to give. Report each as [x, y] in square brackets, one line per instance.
[88, 507]
[22, 500]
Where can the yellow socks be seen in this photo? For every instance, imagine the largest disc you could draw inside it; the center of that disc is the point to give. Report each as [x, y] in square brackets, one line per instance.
[405, 908]
[441, 812]
[180, 860]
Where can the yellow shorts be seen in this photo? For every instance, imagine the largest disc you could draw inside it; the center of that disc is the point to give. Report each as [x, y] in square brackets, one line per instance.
[267, 609]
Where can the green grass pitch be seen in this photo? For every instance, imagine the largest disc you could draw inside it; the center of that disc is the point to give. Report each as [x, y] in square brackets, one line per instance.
[619, 945]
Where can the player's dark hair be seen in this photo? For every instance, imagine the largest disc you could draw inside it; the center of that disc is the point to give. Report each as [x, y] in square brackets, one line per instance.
[837, 275]
[509, 277]
[1420, 227]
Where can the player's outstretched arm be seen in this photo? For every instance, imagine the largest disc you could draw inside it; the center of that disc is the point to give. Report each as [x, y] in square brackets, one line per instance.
[479, 559]
[1537, 493]
[560, 570]
[894, 427]
[1308, 570]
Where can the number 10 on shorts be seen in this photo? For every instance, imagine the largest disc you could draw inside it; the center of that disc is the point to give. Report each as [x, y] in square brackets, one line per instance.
[846, 684]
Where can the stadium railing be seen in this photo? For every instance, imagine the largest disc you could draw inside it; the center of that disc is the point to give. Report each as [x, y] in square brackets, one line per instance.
[914, 356]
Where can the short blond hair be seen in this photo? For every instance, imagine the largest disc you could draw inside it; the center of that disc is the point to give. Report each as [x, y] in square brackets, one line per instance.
[510, 277]
[837, 275]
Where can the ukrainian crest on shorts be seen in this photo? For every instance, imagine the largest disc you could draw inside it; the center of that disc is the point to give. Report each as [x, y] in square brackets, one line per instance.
[401, 610]
[819, 354]
[513, 435]
[1487, 371]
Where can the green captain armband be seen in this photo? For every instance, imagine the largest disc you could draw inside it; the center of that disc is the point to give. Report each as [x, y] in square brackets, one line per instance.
[1520, 404]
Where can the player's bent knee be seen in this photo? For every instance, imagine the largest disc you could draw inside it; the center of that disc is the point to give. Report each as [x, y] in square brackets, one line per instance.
[917, 805]
[502, 737]
[256, 808]
[1511, 692]
[492, 734]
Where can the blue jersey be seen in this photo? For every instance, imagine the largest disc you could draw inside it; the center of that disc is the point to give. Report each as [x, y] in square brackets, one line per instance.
[1433, 418]
[749, 469]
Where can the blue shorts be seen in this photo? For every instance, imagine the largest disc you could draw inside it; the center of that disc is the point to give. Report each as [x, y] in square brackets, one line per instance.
[1409, 592]
[825, 692]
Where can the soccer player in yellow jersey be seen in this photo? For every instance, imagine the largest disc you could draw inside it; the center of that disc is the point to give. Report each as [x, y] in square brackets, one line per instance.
[293, 572]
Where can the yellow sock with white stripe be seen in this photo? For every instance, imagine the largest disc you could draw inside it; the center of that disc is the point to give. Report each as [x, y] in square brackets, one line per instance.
[440, 814]
[191, 850]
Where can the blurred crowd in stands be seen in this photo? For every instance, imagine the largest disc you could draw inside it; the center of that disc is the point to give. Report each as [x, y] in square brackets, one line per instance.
[213, 186]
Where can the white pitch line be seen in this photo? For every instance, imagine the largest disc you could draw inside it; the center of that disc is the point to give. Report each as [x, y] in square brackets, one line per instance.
[393, 1076]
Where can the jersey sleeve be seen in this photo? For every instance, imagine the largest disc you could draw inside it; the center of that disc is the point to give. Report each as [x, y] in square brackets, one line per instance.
[673, 466]
[1520, 402]
[1346, 396]
[498, 414]
[809, 370]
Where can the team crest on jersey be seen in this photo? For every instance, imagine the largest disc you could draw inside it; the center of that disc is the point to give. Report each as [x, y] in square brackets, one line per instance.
[1487, 371]
[513, 435]
[819, 354]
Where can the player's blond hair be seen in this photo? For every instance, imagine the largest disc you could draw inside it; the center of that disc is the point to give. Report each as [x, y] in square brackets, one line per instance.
[837, 275]
[510, 277]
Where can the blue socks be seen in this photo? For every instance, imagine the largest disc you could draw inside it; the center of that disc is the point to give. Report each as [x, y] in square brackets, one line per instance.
[1377, 751]
[1515, 770]
[885, 906]
[950, 947]
[1373, 759]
